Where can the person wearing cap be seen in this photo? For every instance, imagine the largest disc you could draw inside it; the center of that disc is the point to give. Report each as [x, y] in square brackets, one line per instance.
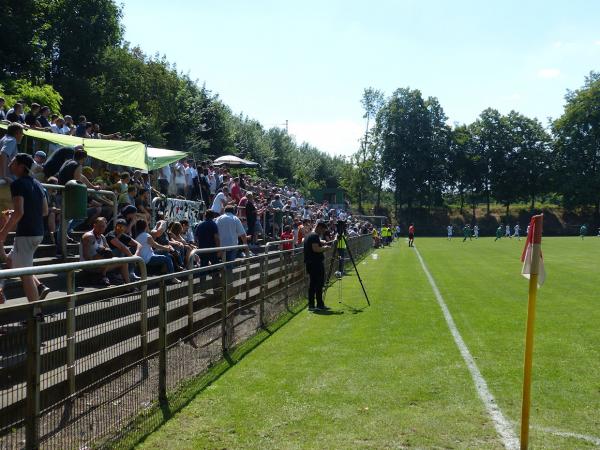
[30, 206]
[122, 244]
[37, 170]
[39, 157]
[314, 248]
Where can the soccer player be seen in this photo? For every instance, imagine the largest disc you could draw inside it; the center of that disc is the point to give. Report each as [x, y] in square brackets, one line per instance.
[476, 231]
[411, 235]
[449, 232]
[498, 233]
[517, 230]
[507, 233]
[467, 233]
[583, 231]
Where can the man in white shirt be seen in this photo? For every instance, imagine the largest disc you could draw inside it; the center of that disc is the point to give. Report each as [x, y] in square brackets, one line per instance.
[58, 127]
[230, 229]
[507, 233]
[8, 149]
[220, 201]
[450, 232]
[294, 202]
[180, 178]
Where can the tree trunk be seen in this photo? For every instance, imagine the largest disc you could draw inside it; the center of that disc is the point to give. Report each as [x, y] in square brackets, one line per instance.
[462, 201]
[532, 202]
[378, 203]
[507, 210]
[487, 199]
[360, 208]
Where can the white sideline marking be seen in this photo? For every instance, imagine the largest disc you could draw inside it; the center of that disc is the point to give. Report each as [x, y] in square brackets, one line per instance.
[503, 427]
[568, 434]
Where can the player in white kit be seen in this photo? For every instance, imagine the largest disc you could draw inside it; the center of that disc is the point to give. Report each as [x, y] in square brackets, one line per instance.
[507, 233]
[476, 231]
[517, 230]
[449, 232]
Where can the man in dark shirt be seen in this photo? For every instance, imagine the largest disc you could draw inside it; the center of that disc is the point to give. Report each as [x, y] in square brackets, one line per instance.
[123, 244]
[313, 258]
[31, 118]
[30, 207]
[206, 235]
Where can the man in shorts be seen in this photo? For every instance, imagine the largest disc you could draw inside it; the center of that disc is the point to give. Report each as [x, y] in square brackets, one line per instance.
[29, 209]
[449, 232]
[411, 235]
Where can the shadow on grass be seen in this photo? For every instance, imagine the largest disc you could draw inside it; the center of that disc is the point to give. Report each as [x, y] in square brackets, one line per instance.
[151, 420]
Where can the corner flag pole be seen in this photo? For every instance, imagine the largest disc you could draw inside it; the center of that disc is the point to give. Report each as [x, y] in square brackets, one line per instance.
[534, 240]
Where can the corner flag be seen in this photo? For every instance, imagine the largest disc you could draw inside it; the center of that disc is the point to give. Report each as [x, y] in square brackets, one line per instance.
[533, 250]
[533, 269]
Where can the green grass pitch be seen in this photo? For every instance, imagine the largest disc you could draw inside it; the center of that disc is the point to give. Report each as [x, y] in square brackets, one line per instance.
[391, 376]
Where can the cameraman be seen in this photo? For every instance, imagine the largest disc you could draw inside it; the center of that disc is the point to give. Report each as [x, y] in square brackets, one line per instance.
[314, 248]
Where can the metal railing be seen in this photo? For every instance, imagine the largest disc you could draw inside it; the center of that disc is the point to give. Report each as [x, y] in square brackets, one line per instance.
[133, 354]
[33, 314]
[63, 220]
[272, 243]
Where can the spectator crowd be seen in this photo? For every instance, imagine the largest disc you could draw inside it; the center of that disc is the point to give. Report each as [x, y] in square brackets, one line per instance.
[239, 207]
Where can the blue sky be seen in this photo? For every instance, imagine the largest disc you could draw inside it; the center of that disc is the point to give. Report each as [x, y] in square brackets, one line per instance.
[308, 62]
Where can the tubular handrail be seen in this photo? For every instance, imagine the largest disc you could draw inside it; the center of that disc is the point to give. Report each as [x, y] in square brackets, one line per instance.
[277, 243]
[60, 187]
[203, 251]
[67, 267]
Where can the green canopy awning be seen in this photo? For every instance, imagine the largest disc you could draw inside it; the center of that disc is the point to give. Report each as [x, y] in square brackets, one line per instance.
[122, 153]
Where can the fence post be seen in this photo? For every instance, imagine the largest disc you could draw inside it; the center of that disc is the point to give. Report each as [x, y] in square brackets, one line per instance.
[162, 342]
[63, 229]
[32, 412]
[190, 313]
[144, 310]
[247, 280]
[286, 297]
[264, 267]
[71, 332]
[224, 336]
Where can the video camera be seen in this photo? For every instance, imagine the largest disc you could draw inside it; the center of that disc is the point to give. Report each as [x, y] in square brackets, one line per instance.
[340, 227]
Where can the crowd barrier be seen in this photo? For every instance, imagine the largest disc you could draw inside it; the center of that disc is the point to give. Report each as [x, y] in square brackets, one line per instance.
[83, 370]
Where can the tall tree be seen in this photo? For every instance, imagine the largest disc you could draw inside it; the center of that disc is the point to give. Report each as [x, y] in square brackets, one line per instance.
[577, 134]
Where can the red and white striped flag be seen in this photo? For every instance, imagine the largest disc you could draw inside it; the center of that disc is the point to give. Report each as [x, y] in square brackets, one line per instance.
[532, 259]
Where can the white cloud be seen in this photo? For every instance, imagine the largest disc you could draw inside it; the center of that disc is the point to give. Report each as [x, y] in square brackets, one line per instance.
[557, 44]
[597, 43]
[548, 73]
[340, 137]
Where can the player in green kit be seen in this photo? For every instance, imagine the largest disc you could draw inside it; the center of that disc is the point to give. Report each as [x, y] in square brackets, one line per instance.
[498, 233]
[467, 233]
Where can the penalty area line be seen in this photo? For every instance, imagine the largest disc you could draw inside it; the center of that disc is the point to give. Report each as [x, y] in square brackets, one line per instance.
[503, 427]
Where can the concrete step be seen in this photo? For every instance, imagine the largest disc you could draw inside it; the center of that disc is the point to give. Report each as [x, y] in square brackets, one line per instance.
[11, 237]
[48, 250]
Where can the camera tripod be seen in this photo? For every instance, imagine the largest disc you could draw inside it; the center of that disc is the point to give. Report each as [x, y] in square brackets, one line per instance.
[336, 257]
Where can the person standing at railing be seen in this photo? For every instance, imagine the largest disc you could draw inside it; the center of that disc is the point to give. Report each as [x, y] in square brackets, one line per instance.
[230, 230]
[30, 207]
[206, 235]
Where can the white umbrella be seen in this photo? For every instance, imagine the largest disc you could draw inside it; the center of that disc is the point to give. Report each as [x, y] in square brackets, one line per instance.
[234, 161]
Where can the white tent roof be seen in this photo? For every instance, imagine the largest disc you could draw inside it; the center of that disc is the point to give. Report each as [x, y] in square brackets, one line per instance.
[234, 161]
